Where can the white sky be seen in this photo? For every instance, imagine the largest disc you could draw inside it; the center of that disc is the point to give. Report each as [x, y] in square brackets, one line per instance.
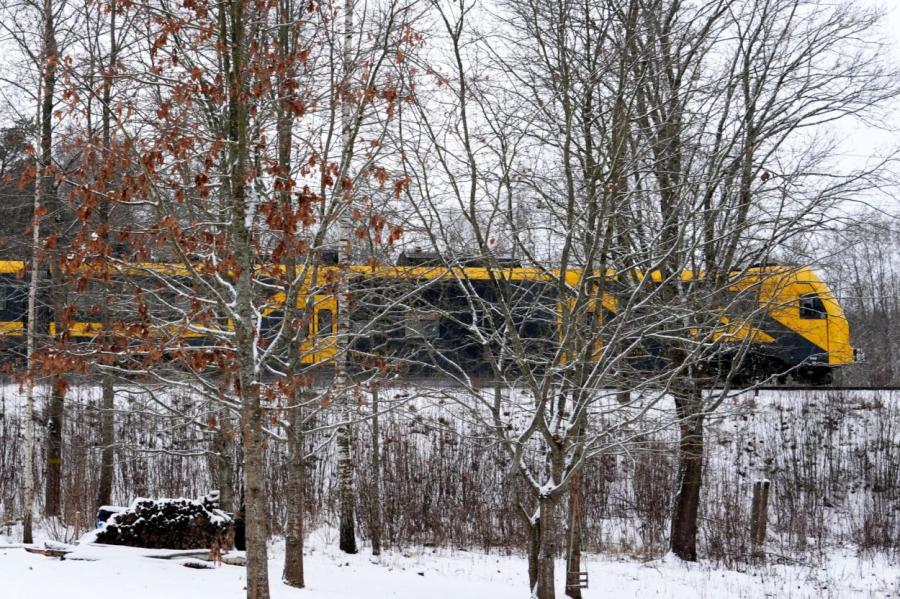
[858, 143]
[861, 142]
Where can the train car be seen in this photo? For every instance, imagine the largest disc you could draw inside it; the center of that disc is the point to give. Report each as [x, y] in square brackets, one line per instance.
[13, 309]
[143, 301]
[799, 330]
[774, 321]
[165, 306]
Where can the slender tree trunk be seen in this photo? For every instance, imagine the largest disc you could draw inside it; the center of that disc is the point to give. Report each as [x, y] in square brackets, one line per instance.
[223, 468]
[533, 526]
[223, 446]
[41, 185]
[56, 402]
[376, 475]
[31, 330]
[296, 490]
[293, 573]
[683, 541]
[347, 540]
[245, 333]
[55, 415]
[574, 537]
[545, 587]
[28, 491]
[107, 441]
[256, 518]
[107, 401]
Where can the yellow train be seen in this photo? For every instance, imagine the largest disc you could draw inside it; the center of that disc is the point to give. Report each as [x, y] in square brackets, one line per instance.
[779, 321]
[768, 322]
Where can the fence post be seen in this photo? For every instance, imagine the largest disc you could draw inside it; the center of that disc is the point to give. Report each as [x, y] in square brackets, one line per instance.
[759, 518]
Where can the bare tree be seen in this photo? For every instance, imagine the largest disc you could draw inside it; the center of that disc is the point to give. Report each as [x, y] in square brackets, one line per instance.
[44, 16]
[525, 347]
[726, 94]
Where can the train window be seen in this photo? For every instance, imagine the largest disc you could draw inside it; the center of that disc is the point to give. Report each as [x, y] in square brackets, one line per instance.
[812, 307]
[324, 320]
[4, 293]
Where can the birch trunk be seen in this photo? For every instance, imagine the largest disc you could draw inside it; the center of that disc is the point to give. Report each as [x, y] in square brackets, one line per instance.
[34, 273]
[347, 542]
[376, 476]
[44, 116]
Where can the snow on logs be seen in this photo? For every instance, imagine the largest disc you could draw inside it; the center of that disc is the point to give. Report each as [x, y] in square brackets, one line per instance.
[167, 524]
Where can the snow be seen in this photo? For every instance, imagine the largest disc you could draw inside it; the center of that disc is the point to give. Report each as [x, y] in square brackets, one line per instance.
[117, 572]
[747, 420]
[216, 516]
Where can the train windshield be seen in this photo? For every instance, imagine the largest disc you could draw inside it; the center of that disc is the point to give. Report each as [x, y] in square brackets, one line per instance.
[812, 307]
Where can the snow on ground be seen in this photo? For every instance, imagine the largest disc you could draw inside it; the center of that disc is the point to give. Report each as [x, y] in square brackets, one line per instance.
[101, 572]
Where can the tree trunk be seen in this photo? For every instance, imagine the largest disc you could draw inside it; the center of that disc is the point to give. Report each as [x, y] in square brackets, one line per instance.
[376, 476]
[223, 446]
[58, 386]
[683, 541]
[534, 548]
[55, 415]
[347, 542]
[31, 331]
[296, 467]
[573, 546]
[223, 469]
[545, 586]
[107, 441]
[28, 491]
[56, 405]
[107, 401]
[296, 483]
[256, 518]
[41, 187]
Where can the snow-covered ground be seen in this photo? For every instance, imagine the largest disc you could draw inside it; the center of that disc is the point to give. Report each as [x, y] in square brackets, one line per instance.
[101, 572]
[812, 446]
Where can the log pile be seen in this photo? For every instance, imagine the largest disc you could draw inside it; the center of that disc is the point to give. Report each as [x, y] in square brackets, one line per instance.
[167, 524]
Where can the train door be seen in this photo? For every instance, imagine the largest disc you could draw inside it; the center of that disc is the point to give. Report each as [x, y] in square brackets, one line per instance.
[13, 305]
[321, 344]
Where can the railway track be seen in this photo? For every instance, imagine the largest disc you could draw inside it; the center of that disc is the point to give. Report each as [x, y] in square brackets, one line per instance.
[823, 388]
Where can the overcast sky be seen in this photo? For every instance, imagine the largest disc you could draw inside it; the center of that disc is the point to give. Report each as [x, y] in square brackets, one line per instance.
[860, 143]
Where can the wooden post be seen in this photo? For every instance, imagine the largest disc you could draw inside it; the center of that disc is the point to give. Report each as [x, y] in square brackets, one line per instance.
[759, 517]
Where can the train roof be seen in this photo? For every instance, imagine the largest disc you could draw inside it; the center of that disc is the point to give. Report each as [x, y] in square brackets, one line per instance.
[754, 274]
